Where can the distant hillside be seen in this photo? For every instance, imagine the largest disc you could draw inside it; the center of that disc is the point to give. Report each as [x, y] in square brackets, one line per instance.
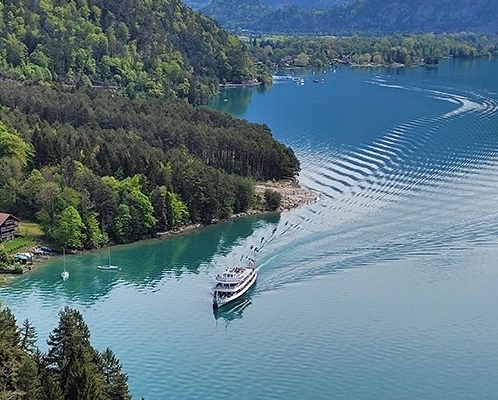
[306, 4]
[366, 16]
[158, 47]
[422, 16]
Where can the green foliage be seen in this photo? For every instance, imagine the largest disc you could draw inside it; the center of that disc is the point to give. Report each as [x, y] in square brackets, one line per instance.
[272, 199]
[12, 358]
[14, 155]
[160, 48]
[94, 237]
[320, 52]
[5, 257]
[129, 168]
[73, 361]
[28, 338]
[116, 381]
[28, 381]
[122, 227]
[12, 145]
[18, 243]
[68, 230]
[72, 368]
[170, 211]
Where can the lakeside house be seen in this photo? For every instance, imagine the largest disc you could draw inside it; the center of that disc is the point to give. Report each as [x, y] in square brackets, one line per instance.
[9, 226]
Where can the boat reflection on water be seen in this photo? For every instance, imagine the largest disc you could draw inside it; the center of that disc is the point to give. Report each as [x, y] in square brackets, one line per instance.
[233, 310]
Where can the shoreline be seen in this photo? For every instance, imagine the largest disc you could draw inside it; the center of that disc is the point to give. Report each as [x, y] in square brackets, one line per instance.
[293, 196]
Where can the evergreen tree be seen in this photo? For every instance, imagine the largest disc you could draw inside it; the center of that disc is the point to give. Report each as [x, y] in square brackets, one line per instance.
[9, 350]
[73, 360]
[115, 379]
[28, 381]
[72, 369]
[28, 338]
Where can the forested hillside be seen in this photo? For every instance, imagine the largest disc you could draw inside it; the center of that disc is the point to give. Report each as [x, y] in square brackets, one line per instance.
[159, 47]
[97, 140]
[360, 16]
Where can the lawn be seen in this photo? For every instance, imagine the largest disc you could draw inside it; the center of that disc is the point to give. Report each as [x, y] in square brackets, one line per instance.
[31, 235]
[17, 244]
[30, 229]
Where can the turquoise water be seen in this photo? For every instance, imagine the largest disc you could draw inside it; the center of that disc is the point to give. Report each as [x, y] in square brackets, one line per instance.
[383, 289]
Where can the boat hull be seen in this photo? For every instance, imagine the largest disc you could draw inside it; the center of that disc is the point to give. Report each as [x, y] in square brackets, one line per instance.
[220, 302]
[108, 267]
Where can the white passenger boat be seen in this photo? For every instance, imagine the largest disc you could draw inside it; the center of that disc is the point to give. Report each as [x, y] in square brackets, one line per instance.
[233, 283]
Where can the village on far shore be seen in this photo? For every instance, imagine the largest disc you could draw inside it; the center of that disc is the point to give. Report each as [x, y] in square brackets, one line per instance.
[31, 249]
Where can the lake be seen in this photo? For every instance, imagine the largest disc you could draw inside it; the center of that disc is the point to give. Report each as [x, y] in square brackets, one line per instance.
[385, 288]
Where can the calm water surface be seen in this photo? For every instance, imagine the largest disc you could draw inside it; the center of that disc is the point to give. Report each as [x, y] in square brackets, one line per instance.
[383, 289]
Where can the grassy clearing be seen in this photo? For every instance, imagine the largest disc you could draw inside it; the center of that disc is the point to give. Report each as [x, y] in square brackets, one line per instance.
[31, 235]
[30, 229]
[17, 244]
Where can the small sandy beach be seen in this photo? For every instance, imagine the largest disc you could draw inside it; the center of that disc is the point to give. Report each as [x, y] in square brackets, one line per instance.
[293, 195]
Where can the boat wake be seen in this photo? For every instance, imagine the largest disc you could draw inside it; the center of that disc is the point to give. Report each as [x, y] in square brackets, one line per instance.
[409, 194]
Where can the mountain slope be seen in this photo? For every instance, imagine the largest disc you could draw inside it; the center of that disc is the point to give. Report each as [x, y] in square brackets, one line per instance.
[158, 47]
[308, 4]
[372, 16]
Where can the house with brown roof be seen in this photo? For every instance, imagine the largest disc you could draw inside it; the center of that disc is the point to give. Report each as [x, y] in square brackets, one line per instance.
[9, 226]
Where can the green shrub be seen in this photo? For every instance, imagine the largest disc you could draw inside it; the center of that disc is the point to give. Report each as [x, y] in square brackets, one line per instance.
[272, 199]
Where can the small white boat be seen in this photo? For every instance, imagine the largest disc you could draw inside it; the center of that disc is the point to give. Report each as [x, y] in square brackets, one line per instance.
[233, 283]
[109, 266]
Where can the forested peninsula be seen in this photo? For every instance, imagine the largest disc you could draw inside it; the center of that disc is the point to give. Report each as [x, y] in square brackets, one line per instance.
[100, 138]
[93, 165]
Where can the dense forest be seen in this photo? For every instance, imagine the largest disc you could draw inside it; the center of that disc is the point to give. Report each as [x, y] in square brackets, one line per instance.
[71, 369]
[320, 52]
[98, 140]
[160, 48]
[358, 16]
[91, 164]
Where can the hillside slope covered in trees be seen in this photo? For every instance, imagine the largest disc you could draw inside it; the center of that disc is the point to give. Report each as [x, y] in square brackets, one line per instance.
[97, 139]
[362, 16]
[159, 47]
[92, 164]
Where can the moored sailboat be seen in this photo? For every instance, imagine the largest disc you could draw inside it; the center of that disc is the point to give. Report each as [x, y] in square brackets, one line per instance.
[108, 266]
[65, 272]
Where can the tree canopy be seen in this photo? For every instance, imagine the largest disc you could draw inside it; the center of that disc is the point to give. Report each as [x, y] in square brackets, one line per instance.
[92, 165]
[71, 369]
[161, 48]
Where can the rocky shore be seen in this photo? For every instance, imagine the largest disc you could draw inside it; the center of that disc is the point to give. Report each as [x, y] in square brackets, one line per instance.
[293, 195]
